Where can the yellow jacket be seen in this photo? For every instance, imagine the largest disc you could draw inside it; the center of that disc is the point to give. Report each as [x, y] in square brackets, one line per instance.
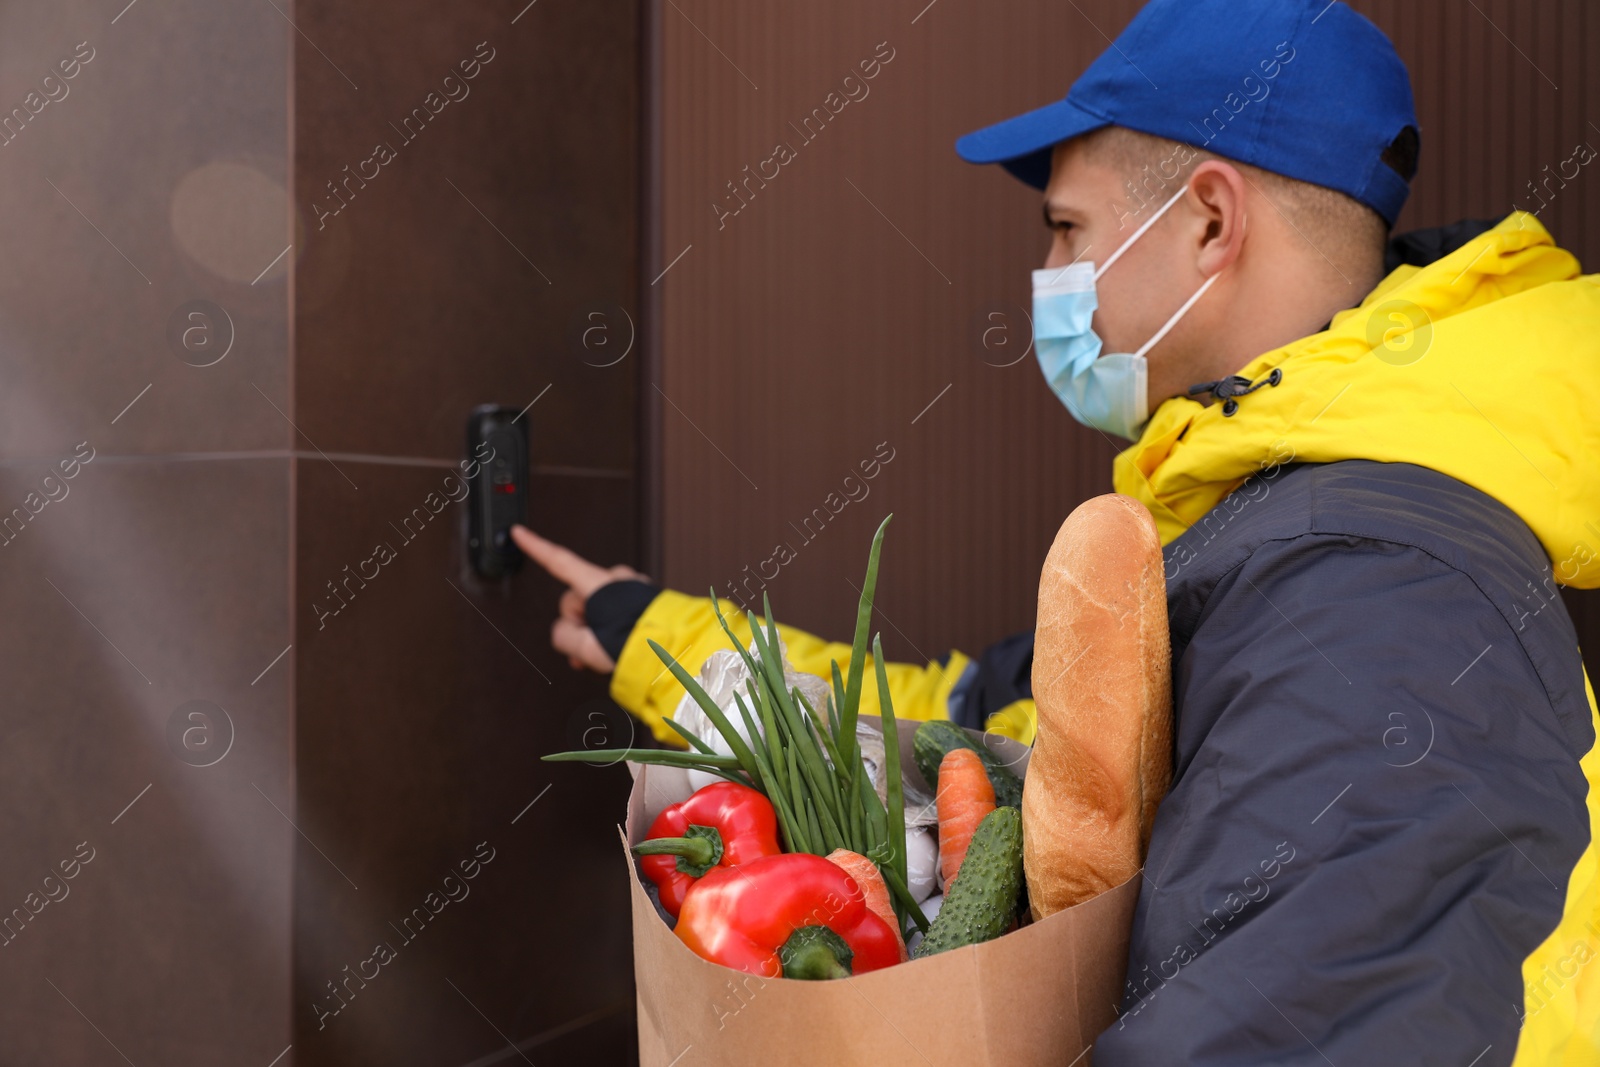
[1484, 365]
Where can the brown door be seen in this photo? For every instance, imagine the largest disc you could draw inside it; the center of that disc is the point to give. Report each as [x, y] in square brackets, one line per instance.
[486, 252]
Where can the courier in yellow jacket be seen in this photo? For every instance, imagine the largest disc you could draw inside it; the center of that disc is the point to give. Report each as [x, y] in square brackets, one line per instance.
[1337, 401]
[1468, 358]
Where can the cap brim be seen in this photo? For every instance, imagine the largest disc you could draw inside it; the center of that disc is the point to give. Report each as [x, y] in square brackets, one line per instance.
[1023, 144]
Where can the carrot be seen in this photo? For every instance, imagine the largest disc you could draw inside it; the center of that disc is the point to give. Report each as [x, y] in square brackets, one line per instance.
[865, 874]
[965, 797]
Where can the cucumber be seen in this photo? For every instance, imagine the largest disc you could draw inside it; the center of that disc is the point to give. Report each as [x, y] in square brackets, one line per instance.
[982, 901]
[935, 737]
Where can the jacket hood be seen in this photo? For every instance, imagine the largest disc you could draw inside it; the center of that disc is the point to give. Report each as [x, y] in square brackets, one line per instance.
[1483, 365]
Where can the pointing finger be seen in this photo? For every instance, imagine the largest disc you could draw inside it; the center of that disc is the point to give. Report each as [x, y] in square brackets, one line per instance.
[563, 564]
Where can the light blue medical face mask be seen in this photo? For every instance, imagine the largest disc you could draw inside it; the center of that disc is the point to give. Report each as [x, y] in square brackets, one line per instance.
[1108, 392]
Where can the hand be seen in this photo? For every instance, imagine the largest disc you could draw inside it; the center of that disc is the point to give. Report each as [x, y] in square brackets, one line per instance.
[570, 633]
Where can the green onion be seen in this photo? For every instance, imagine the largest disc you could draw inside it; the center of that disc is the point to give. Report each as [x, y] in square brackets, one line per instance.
[689, 736]
[802, 810]
[669, 757]
[891, 765]
[829, 784]
[740, 749]
[858, 649]
[838, 698]
[902, 895]
[769, 734]
[858, 838]
[773, 784]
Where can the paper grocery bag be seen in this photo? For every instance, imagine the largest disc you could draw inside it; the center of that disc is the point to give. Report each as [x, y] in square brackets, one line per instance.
[1038, 995]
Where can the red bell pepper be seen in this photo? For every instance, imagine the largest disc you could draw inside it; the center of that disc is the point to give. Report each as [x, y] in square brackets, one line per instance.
[791, 916]
[721, 825]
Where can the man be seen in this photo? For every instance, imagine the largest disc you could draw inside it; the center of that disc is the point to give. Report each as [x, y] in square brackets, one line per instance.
[1371, 463]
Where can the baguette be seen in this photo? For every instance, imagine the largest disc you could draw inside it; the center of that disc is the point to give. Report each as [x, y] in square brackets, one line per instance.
[1102, 687]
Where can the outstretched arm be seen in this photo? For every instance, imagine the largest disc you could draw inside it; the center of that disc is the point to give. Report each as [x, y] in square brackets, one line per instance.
[610, 614]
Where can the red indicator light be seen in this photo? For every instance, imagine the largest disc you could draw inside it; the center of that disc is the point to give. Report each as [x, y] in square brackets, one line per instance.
[506, 488]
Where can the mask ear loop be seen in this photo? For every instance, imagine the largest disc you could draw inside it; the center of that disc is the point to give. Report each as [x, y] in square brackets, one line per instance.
[1180, 313]
[1140, 232]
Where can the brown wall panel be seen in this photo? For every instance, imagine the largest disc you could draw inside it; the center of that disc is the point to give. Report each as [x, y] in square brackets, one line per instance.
[843, 300]
[1502, 91]
[423, 705]
[127, 603]
[855, 287]
[148, 184]
[154, 176]
[468, 268]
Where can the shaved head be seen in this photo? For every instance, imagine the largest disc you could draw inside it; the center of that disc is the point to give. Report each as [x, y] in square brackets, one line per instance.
[1349, 234]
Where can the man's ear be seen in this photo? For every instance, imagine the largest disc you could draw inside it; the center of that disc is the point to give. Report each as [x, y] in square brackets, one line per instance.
[1217, 197]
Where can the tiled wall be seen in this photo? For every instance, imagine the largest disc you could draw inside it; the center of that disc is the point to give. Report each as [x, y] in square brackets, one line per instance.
[229, 458]
[147, 173]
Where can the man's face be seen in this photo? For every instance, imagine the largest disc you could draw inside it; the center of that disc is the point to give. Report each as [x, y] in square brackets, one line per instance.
[1091, 213]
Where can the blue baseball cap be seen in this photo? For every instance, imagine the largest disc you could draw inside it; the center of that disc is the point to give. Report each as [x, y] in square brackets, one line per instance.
[1308, 89]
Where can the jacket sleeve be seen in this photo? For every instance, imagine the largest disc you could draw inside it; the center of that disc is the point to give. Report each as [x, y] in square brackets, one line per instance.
[687, 628]
[1374, 816]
